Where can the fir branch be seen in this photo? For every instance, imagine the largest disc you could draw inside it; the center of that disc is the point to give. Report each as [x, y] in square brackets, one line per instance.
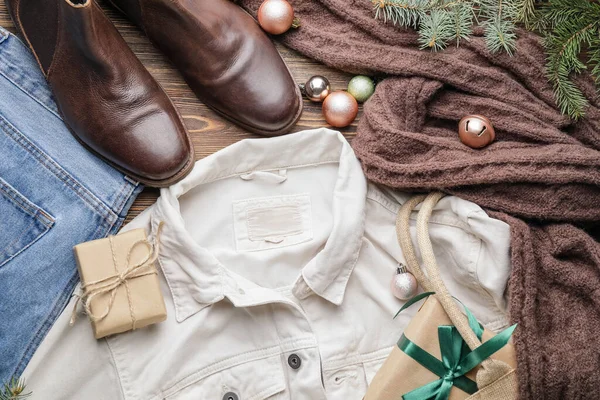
[561, 12]
[461, 17]
[500, 35]
[435, 30]
[594, 59]
[526, 13]
[404, 13]
[448, 5]
[569, 44]
[568, 96]
[441, 21]
[540, 22]
[14, 389]
[571, 30]
[499, 28]
[564, 46]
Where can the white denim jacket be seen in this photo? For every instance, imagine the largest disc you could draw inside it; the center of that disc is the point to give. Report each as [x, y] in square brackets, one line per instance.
[276, 260]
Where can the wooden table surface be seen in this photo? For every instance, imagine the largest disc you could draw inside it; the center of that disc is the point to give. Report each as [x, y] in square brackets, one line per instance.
[209, 131]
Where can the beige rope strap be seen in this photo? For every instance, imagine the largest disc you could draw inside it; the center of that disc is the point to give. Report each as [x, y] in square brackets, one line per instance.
[112, 283]
[403, 235]
[431, 281]
[459, 320]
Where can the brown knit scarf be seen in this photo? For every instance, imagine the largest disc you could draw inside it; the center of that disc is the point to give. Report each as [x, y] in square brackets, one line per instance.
[542, 175]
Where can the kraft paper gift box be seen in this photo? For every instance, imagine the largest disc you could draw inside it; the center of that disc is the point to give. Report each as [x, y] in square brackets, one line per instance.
[401, 374]
[121, 268]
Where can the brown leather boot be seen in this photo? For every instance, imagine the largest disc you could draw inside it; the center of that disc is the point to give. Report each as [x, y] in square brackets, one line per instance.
[227, 60]
[107, 98]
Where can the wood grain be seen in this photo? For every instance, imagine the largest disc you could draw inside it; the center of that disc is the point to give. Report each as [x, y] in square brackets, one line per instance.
[209, 131]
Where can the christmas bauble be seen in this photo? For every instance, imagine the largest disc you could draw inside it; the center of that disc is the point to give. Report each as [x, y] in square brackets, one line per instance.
[340, 108]
[316, 88]
[404, 285]
[361, 87]
[275, 16]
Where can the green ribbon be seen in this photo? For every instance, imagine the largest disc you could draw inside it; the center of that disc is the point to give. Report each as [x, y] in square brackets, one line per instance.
[457, 359]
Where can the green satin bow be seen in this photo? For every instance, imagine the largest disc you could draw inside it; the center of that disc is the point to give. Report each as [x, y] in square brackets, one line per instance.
[457, 359]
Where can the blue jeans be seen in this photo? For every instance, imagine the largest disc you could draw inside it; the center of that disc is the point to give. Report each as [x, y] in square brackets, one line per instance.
[54, 194]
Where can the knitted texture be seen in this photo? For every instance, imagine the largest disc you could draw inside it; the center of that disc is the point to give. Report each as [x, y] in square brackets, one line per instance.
[541, 176]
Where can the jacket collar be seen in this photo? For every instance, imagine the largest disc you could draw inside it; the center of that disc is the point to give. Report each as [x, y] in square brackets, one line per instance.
[197, 279]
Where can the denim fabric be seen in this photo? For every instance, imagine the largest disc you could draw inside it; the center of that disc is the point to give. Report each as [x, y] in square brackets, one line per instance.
[54, 194]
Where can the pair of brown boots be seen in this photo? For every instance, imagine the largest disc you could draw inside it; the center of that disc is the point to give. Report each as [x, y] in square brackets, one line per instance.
[114, 106]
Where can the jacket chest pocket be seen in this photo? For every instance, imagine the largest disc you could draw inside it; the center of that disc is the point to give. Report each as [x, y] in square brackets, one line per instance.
[253, 380]
[22, 223]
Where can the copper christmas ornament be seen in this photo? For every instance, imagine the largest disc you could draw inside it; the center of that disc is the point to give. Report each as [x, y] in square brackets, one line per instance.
[316, 88]
[476, 131]
[275, 16]
[340, 108]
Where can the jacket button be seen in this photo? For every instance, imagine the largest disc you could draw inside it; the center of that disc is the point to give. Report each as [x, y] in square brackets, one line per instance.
[231, 396]
[476, 131]
[294, 361]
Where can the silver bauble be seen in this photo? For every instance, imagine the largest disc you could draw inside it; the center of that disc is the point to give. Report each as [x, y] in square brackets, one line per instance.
[316, 88]
[404, 285]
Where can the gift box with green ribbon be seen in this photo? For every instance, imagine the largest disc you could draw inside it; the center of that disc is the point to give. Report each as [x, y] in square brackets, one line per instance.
[432, 361]
[443, 353]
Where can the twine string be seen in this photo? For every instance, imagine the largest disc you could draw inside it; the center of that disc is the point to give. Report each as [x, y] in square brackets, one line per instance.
[111, 284]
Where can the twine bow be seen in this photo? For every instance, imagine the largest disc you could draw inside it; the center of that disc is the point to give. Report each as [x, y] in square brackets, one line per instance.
[111, 284]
